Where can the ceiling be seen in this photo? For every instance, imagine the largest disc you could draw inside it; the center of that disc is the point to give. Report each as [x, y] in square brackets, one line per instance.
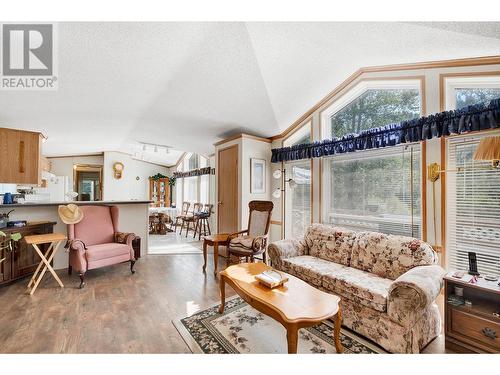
[188, 85]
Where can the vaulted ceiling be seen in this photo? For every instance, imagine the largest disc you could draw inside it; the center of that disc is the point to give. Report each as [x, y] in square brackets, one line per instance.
[188, 85]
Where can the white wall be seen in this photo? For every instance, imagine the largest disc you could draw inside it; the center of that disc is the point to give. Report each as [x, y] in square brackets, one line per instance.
[128, 187]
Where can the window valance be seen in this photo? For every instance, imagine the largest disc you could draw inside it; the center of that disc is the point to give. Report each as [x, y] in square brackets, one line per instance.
[472, 118]
[194, 172]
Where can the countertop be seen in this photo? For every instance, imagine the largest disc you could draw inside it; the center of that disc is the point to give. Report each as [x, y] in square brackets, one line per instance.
[48, 204]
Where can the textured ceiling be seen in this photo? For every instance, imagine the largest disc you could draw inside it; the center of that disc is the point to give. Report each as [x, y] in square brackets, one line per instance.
[188, 85]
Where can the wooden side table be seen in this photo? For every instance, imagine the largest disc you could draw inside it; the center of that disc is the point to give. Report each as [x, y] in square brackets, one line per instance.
[55, 240]
[214, 240]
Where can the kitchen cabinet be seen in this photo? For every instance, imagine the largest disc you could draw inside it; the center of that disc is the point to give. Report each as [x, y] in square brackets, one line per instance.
[23, 259]
[20, 155]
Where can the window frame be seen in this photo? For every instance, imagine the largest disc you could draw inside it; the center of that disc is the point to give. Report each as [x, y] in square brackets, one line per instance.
[307, 124]
[349, 94]
[362, 86]
[444, 79]
[452, 81]
[183, 166]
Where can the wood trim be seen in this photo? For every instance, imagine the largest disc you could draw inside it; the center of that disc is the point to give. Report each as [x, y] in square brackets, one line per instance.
[75, 156]
[243, 135]
[423, 193]
[442, 86]
[298, 127]
[474, 61]
[443, 201]
[276, 222]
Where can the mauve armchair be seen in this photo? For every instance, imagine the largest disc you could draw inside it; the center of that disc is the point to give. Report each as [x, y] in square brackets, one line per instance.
[95, 241]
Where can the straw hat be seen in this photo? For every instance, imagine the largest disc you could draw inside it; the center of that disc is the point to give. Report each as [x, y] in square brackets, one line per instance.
[70, 214]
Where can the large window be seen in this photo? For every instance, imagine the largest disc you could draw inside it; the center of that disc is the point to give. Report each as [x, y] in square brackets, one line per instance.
[472, 207]
[298, 190]
[472, 199]
[464, 91]
[376, 190]
[192, 189]
[372, 104]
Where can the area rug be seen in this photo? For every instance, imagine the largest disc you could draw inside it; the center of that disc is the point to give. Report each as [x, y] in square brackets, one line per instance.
[242, 329]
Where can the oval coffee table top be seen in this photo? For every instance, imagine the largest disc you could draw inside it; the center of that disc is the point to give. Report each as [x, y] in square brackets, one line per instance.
[295, 301]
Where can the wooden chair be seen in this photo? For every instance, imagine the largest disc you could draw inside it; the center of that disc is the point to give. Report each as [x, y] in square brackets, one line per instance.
[191, 218]
[254, 242]
[184, 212]
[203, 221]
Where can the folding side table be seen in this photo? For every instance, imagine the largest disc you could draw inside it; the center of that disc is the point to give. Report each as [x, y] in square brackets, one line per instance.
[55, 240]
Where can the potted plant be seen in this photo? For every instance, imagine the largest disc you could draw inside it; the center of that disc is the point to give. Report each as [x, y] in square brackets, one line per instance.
[6, 242]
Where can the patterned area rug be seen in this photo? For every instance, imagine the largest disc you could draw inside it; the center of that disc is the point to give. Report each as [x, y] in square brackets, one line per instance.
[242, 329]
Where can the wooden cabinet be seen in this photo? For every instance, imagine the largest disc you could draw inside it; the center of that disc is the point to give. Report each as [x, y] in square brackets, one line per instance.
[20, 155]
[23, 259]
[474, 328]
[159, 192]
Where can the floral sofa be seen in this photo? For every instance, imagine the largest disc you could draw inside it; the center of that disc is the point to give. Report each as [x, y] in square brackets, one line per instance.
[387, 284]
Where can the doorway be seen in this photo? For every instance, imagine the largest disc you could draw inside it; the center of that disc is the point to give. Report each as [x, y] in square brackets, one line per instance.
[227, 190]
[87, 181]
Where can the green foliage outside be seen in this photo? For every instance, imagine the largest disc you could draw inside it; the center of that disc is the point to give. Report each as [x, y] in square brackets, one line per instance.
[466, 97]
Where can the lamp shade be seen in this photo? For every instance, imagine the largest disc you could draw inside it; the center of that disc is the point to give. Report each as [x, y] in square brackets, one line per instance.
[488, 149]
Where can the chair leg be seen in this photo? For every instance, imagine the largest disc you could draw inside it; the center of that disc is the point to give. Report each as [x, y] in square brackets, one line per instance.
[251, 259]
[182, 227]
[82, 279]
[70, 270]
[208, 226]
[264, 257]
[187, 228]
[196, 228]
[132, 263]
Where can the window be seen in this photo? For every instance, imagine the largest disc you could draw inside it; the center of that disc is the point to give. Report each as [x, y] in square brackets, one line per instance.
[472, 207]
[193, 189]
[298, 195]
[464, 91]
[372, 104]
[376, 190]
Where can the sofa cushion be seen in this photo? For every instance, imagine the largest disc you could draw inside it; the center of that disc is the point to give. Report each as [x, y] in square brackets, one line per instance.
[330, 243]
[390, 256]
[307, 268]
[360, 286]
[106, 250]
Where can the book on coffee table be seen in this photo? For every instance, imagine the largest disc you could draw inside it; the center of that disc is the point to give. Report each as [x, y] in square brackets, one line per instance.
[271, 278]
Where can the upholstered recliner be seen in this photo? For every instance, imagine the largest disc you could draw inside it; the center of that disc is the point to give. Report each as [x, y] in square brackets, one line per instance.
[96, 242]
[387, 284]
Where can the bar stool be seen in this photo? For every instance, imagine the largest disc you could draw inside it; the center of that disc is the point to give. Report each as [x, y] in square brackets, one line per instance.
[55, 240]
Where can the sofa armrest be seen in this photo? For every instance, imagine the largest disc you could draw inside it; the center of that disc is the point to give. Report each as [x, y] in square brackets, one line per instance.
[124, 237]
[283, 249]
[413, 292]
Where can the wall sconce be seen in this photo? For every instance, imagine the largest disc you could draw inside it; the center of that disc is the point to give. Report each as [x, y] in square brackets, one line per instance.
[117, 170]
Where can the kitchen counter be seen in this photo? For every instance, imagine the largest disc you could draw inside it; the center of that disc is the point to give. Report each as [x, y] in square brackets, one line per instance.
[46, 204]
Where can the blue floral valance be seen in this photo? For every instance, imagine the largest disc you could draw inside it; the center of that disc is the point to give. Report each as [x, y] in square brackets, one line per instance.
[473, 118]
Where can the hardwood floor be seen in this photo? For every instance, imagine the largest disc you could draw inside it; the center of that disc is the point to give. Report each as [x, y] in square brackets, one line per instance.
[116, 312]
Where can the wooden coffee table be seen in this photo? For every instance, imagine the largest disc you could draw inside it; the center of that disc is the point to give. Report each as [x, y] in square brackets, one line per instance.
[295, 304]
[214, 240]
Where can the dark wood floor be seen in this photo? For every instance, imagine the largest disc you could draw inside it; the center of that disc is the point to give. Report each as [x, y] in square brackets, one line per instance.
[116, 312]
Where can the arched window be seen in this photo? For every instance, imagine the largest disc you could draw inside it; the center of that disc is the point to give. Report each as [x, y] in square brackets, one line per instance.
[377, 190]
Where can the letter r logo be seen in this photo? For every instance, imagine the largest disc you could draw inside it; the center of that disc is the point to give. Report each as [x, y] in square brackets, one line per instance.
[27, 50]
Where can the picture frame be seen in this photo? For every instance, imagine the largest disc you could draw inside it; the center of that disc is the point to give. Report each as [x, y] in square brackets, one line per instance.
[257, 176]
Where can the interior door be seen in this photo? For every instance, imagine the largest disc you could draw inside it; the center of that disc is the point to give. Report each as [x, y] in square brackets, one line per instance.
[227, 190]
